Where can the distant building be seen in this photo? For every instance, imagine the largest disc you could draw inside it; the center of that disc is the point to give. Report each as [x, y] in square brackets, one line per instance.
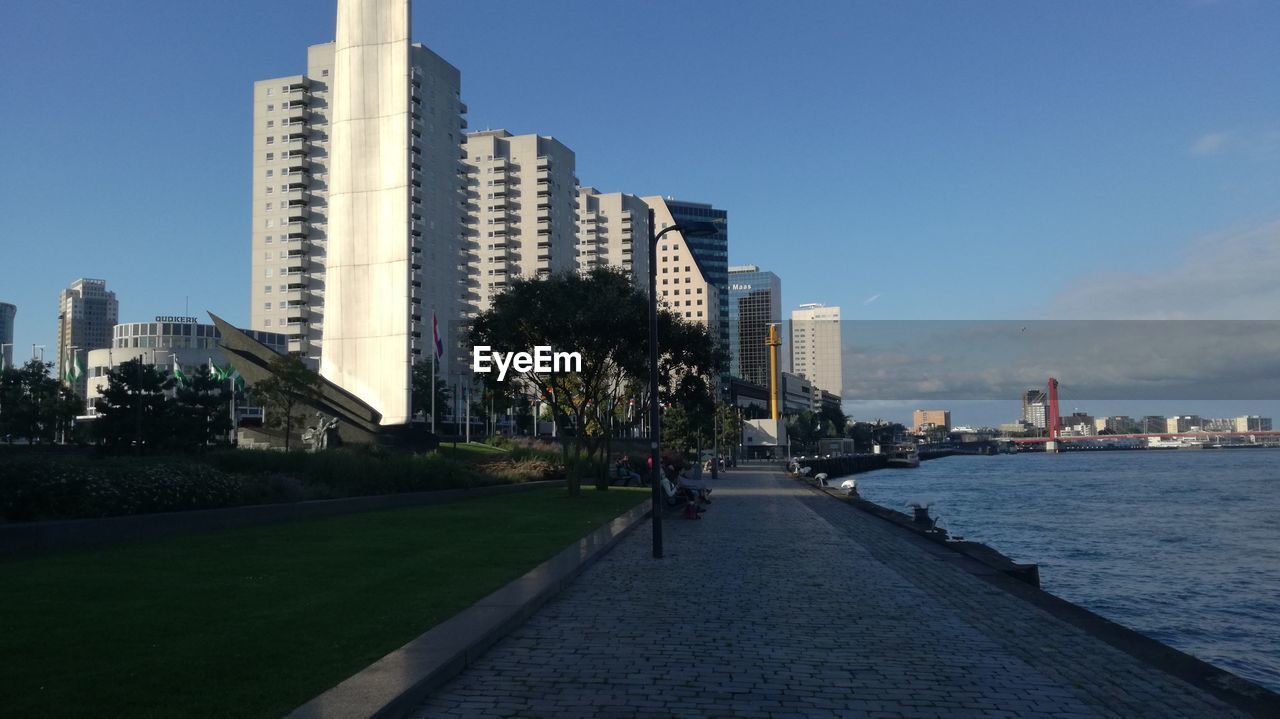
[613, 229]
[755, 302]
[87, 312]
[1118, 424]
[524, 200]
[1153, 424]
[709, 255]
[797, 394]
[1035, 408]
[1183, 423]
[1018, 428]
[691, 273]
[1253, 423]
[923, 419]
[186, 344]
[7, 314]
[815, 346]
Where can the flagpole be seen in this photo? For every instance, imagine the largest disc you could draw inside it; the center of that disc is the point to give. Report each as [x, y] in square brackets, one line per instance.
[433, 390]
[466, 401]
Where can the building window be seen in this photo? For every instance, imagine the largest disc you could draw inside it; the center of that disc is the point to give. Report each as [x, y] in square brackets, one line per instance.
[271, 108]
[268, 239]
[269, 91]
[271, 123]
[266, 323]
[266, 272]
[268, 205]
[271, 156]
[266, 306]
[266, 289]
[271, 140]
[270, 173]
[324, 73]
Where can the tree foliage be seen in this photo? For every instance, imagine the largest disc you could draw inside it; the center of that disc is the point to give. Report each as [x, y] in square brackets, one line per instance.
[35, 406]
[291, 387]
[603, 316]
[134, 407]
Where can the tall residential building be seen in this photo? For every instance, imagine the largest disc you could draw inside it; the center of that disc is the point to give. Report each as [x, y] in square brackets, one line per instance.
[1183, 423]
[755, 302]
[87, 312]
[815, 346]
[358, 206]
[612, 231]
[711, 254]
[522, 200]
[685, 285]
[1035, 408]
[7, 314]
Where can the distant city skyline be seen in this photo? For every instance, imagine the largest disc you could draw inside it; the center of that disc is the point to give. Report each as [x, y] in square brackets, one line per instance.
[1019, 177]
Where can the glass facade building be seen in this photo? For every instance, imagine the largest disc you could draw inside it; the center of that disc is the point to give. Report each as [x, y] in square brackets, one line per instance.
[712, 253]
[755, 302]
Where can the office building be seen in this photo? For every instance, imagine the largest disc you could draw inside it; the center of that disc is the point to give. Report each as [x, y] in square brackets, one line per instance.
[613, 229]
[814, 342]
[685, 284]
[707, 256]
[8, 313]
[755, 302]
[522, 200]
[358, 206]
[1119, 424]
[1253, 423]
[165, 343]
[1153, 424]
[87, 312]
[925, 419]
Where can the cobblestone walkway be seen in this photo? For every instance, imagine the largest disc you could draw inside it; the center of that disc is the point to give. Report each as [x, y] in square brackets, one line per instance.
[784, 603]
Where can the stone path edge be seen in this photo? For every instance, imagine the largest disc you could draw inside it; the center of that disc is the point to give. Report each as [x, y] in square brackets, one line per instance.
[392, 686]
[1235, 690]
[21, 539]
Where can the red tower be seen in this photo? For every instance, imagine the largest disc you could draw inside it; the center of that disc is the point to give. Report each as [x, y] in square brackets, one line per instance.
[1053, 420]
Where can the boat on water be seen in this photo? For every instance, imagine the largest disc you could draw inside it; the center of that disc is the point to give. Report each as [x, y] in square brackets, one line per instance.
[904, 456]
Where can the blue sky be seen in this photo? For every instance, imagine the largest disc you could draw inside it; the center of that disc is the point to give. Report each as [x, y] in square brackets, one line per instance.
[951, 160]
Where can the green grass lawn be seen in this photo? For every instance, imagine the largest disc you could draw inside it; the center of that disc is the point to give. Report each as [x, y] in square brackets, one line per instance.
[252, 623]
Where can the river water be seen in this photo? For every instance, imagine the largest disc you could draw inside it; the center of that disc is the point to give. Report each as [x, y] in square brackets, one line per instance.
[1181, 545]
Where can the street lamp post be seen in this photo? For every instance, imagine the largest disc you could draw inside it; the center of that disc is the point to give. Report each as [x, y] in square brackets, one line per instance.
[689, 229]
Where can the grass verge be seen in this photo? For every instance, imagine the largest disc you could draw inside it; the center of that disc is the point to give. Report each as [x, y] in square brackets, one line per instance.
[254, 622]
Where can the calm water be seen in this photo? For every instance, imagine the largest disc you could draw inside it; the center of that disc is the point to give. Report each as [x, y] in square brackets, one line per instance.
[1183, 545]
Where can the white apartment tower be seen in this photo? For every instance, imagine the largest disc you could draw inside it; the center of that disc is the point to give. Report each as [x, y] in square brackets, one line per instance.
[815, 346]
[357, 204]
[87, 313]
[522, 199]
[612, 231]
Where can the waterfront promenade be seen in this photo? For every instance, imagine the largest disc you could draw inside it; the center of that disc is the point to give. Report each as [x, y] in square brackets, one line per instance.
[782, 602]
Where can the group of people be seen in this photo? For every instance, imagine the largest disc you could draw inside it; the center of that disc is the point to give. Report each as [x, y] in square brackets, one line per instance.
[681, 480]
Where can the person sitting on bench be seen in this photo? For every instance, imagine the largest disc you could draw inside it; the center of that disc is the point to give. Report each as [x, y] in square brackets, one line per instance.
[624, 472]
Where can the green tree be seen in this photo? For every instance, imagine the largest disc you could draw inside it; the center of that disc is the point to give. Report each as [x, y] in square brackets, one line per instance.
[201, 411]
[804, 429]
[34, 405]
[603, 316]
[286, 393]
[134, 409]
[421, 396]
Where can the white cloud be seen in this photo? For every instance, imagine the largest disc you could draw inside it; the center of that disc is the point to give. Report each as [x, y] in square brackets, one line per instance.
[1209, 144]
[871, 299]
[1251, 144]
[1222, 276]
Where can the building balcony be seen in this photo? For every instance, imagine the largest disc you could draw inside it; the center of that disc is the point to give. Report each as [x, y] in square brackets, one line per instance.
[294, 103]
[296, 231]
[295, 198]
[296, 114]
[298, 165]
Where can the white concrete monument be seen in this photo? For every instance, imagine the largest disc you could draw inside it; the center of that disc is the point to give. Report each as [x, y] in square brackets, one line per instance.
[367, 323]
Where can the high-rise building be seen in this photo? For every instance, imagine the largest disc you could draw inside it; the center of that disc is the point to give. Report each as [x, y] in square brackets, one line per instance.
[922, 419]
[87, 312]
[684, 283]
[1183, 423]
[612, 231]
[709, 254]
[815, 348]
[1035, 408]
[1153, 424]
[755, 302]
[522, 200]
[358, 206]
[7, 314]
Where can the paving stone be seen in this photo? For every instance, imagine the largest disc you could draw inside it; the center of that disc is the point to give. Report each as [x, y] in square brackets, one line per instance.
[783, 602]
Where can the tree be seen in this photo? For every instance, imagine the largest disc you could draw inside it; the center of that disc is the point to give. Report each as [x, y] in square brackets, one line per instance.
[134, 409]
[34, 405]
[422, 390]
[201, 411]
[291, 387]
[805, 428]
[603, 316]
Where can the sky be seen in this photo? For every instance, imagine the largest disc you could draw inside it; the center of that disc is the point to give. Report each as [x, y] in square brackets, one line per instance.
[903, 160]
